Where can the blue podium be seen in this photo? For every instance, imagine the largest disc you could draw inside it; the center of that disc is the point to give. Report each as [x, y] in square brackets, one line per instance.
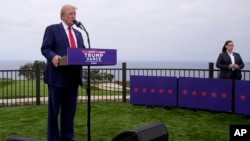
[89, 57]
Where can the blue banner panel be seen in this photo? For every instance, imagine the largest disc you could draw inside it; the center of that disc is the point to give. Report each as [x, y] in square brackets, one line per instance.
[242, 97]
[206, 94]
[93, 56]
[153, 90]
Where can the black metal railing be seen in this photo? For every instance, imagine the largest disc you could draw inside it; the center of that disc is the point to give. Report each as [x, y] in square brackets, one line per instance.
[16, 89]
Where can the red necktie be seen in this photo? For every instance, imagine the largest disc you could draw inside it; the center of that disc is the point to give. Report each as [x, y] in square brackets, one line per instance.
[71, 39]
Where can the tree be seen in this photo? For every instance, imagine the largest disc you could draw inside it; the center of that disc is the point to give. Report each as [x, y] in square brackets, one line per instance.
[105, 77]
[28, 70]
[95, 75]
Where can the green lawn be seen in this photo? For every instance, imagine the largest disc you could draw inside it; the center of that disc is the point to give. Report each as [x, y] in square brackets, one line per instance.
[109, 119]
[27, 88]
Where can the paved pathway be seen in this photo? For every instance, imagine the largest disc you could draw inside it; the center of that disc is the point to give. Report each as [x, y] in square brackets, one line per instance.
[44, 100]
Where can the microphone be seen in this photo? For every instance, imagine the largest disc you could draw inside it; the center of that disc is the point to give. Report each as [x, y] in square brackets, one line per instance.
[78, 24]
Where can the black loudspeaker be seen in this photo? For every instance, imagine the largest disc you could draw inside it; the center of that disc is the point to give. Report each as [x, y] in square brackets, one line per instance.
[19, 138]
[152, 132]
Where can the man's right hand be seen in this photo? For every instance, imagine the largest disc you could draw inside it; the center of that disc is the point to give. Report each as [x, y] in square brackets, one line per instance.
[56, 59]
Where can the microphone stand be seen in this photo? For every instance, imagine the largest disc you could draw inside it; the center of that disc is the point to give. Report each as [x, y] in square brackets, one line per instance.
[79, 24]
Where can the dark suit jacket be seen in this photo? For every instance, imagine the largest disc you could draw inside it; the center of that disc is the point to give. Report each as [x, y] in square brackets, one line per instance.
[223, 63]
[55, 42]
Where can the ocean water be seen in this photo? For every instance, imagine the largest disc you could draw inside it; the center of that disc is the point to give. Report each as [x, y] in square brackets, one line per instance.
[16, 64]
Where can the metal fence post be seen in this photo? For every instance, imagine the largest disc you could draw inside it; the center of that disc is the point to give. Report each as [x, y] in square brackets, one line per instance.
[124, 81]
[38, 78]
[211, 70]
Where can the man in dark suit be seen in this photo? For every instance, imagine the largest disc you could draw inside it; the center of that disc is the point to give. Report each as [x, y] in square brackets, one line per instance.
[63, 81]
[229, 62]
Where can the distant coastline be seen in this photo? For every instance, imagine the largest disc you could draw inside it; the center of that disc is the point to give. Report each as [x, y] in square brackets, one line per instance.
[15, 64]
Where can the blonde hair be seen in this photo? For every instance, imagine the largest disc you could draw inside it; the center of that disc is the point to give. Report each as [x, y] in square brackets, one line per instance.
[64, 8]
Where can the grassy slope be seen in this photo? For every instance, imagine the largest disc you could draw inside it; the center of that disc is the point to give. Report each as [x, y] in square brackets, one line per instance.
[109, 119]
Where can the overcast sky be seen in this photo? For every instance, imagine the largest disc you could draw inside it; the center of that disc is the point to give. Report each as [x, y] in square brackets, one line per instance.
[140, 30]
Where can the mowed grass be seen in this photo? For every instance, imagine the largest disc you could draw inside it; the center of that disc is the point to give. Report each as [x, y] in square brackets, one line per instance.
[27, 88]
[110, 119]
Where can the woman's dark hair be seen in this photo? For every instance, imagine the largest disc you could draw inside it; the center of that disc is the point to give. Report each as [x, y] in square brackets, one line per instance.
[226, 43]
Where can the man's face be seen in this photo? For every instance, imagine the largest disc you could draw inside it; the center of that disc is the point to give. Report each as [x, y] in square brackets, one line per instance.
[69, 16]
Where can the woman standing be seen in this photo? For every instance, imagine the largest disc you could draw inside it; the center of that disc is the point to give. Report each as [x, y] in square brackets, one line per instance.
[229, 62]
[230, 65]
